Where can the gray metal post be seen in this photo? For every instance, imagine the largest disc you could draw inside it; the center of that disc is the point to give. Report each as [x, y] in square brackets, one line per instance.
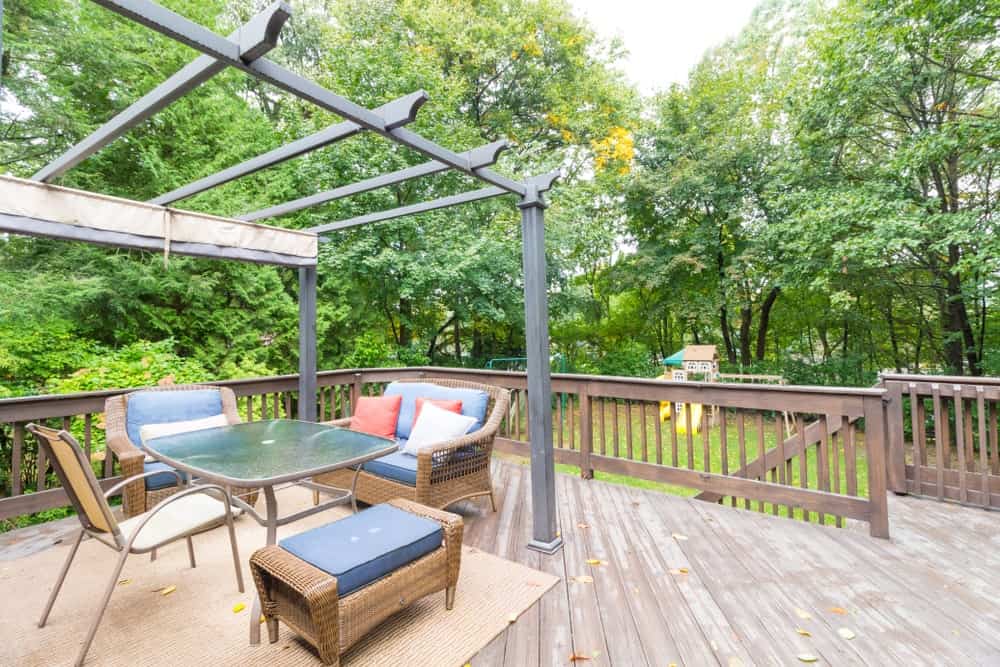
[544, 532]
[307, 343]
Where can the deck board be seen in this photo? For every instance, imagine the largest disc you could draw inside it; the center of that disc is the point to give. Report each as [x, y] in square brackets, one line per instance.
[925, 597]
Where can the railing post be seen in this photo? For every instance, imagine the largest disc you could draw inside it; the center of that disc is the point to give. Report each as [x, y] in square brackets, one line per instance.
[896, 463]
[875, 448]
[15, 463]
[355, 392]
[586, 435]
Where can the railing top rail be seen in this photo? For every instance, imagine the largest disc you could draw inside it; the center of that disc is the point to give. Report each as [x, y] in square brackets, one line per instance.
[941, 379]
[15, 408]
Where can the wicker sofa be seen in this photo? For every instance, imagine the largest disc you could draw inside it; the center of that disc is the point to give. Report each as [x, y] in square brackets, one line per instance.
[143, 494]
[453, 470]
[334, 614]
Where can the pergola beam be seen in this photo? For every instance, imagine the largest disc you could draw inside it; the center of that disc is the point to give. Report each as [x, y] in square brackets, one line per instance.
[396, 113]
[256, 37]
[478, 157]
[173, 25]
[412, 209]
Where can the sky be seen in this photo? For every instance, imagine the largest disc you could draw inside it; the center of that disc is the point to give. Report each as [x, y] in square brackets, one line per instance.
[665, 38]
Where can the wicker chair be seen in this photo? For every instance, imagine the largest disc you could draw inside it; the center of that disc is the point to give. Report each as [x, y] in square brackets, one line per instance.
[306, 598]
[136, 499]
[451, 471]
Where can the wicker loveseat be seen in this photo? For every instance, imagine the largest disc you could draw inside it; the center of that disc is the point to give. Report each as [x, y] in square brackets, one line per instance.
[196, 401]
[450, 471]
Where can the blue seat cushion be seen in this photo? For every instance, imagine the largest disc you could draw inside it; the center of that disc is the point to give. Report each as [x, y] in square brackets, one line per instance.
[164, 479]
[164, 407]
[397, 466]
[366, 546]
[474, 402]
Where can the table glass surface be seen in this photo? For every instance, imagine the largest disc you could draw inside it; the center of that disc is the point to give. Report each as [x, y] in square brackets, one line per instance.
[267, 449]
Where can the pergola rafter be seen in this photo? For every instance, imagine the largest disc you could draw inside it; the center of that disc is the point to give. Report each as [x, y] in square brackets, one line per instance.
[244, 50]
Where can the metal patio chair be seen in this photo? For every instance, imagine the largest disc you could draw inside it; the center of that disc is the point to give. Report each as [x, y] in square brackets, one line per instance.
[179, 516]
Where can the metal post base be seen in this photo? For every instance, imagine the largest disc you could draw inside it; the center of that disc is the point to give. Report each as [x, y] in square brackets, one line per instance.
[548, 548]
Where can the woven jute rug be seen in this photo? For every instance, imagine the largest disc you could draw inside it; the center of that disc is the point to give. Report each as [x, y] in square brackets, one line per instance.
[196, 623]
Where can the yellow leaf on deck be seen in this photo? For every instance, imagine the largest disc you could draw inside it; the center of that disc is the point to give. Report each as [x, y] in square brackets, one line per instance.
[262, 618]
[807, 657]
[124, 582]
[678, 536]
[846, 633]
[679, 570]
[840, 611]
[238, 607]
[168, 590]
[803, 614]
[583, 579]
[596, 561]
[582, 526]
[576, 657]
[803, 632]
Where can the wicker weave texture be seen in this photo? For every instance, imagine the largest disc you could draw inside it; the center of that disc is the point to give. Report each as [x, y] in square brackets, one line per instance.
[135, 498]
[305, 598]
[443, 477]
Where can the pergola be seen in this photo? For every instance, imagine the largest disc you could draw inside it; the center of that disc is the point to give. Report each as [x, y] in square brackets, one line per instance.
[34, 207]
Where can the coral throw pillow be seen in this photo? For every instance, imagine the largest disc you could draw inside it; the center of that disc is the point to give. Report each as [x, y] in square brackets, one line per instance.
[377, 415]
[444, 404]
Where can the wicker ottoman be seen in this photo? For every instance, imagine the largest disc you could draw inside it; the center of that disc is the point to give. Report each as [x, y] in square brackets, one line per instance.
[386, 557]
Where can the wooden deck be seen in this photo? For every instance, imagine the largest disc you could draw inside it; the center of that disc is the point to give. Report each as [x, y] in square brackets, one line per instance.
[687, 582]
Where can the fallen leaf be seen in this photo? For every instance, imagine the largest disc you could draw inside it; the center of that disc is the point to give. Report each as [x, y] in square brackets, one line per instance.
[582, 526]
[673, 664]
[803, 614]
[262, 618]
[583, 579]
[679, 537]
[576, 657]
[679, 570]
[846, 633]
[124, 582]
[168, 590]
[803, 632]
[238, 607]
[596, 561]
[839, 611]
[807, 657]
[512, 618]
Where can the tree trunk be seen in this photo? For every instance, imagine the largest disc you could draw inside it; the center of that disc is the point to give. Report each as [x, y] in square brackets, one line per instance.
[458, 340]
[727, 336]
[765, 321]
[405, 315]
[746, 323]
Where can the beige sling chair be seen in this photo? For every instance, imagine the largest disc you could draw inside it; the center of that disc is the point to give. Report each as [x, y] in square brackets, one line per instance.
[178, 516]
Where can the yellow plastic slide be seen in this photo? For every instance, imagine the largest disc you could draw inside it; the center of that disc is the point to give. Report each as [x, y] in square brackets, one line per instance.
[680, 423]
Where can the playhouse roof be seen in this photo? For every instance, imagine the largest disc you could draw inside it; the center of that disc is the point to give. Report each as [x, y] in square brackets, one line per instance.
[701, 353]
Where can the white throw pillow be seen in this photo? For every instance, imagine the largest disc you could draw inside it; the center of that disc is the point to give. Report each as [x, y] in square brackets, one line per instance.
[436, 425]
[151, 431]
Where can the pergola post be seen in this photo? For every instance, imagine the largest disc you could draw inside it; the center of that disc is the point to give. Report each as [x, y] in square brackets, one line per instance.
[544, 532]
[307, 343]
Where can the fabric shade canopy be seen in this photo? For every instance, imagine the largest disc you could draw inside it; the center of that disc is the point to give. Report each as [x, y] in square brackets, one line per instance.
[30, 207]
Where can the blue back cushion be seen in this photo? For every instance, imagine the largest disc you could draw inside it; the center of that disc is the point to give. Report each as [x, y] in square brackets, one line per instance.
[474, 402]
[366, 546]
[163, 407]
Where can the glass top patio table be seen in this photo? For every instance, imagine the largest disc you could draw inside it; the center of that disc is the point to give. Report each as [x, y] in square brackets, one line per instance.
[267, 452]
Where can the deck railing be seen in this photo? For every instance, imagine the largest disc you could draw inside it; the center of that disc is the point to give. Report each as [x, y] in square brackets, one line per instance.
[943, 437]
[792, 451]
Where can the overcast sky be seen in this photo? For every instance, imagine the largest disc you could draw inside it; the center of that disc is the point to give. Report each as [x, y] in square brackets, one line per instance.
[665, 38]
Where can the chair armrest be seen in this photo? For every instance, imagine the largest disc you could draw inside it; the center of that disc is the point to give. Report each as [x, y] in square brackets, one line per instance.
[134, 478]
[343, 423]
